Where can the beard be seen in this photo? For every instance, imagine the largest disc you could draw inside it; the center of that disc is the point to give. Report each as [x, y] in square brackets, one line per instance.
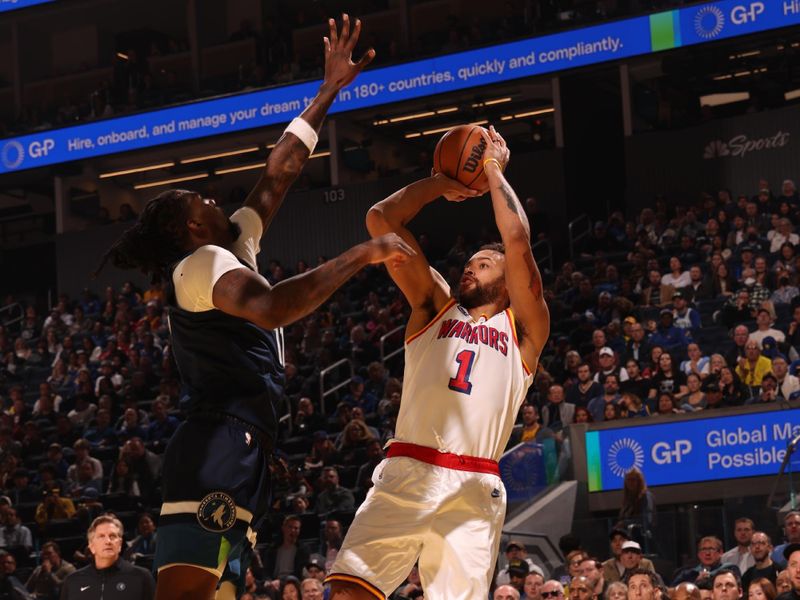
[480, 294]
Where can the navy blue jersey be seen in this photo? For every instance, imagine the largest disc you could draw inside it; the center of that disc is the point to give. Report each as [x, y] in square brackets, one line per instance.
[228, 365]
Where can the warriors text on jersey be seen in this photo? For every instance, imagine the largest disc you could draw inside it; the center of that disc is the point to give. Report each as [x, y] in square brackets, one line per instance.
[464, 383]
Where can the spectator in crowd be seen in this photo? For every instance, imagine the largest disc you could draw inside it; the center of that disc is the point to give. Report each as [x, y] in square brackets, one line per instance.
[791, 532]
[684, 317]
[765, 329]
[312, 589]
[709, 554]
[14, 534]
[288, 557]
[752, 368]
[46, 580]
[584, 389]
[557, 414]
[516, 551]
[533, 587]
[333, 496]
[764, 567]
[144, 544]
[740, 555]
[506, 592]
[615, 567]
[162, 425]
[610, 395]
[642, 584]
[53, 507]
[619, 591]
[592, 569]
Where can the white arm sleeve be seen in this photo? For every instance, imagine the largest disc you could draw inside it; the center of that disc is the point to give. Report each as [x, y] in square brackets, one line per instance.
[195, 276]
[247, 244]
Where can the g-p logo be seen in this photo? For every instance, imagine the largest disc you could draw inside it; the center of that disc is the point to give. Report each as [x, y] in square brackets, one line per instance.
[41, 149]
[664, 454]
[742, 14]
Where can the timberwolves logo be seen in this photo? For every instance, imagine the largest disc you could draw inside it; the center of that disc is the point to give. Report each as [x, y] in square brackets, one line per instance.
[708, 22]
[624, 455]
[12, 154]
[217, 512]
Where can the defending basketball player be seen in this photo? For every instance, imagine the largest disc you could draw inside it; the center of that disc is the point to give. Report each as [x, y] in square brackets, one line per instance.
[224, 319]
[470, 358]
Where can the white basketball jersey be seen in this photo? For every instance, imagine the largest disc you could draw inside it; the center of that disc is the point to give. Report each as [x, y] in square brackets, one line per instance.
[463, 385]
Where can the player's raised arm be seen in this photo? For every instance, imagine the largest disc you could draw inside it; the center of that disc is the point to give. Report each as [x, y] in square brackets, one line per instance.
[244, 293]
[523, 280]
[291, 153]
[425, 290]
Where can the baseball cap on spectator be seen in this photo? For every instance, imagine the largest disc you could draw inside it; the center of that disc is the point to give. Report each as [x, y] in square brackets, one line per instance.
[606, 351]
[711, 387]
[89, 494]
[769, 347]
[316, 561]
[632, 546]
[514, 544]
[617, 531]
[320, 436]
[787, 552]
[518, 568]
[665, 311]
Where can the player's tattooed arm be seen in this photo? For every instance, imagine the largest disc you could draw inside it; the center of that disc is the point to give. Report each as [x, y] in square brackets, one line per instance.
[290, 154]
[523, 279]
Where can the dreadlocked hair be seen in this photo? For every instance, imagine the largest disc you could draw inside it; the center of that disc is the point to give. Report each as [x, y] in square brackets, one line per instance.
[156, 240]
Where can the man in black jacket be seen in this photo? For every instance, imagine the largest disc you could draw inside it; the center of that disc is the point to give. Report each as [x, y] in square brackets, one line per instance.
[109, 577]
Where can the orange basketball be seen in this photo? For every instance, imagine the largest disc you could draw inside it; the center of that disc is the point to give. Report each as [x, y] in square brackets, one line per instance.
[459, 155]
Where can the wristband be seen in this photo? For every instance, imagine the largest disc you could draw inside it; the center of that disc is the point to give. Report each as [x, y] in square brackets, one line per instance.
[495, 161]
[304, 131]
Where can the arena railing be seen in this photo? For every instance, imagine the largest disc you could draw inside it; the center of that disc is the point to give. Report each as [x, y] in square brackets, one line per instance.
[323, 393]
[385, 356]
[578, 229]
[11, 314]
[543, 252]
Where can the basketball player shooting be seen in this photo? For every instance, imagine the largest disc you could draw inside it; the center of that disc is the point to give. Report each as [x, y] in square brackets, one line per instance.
[224, 331]
[470, 358]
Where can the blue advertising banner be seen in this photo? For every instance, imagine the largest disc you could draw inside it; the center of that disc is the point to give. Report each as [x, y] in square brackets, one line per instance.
[523, 471]
[6, 5]
[714, 448]
[504, 62]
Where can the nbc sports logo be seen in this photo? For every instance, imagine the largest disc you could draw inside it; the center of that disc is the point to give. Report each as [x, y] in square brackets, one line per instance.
[624, 455]
[709, 22]
[715, 149]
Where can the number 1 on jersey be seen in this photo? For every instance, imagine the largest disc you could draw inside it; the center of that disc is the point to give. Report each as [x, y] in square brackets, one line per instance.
[460, 383]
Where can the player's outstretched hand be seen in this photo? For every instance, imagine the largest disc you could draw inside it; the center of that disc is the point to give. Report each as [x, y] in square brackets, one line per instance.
[340, 69]
[495, 147]
[453, 190]
[389, 248]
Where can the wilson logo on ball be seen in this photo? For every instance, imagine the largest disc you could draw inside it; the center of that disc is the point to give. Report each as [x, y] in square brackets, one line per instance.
[475, 156]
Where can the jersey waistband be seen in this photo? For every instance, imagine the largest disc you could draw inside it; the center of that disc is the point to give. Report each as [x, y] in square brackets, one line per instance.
[458, 462]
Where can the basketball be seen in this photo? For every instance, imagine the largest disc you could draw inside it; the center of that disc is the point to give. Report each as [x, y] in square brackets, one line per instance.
[459, 155]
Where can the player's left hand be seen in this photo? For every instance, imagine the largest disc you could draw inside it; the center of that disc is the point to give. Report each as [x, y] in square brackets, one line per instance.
[495, 147]
[453, 190]
[340, 70]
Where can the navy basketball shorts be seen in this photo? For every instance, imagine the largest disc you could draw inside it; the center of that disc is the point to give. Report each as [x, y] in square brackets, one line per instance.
[216, 493]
